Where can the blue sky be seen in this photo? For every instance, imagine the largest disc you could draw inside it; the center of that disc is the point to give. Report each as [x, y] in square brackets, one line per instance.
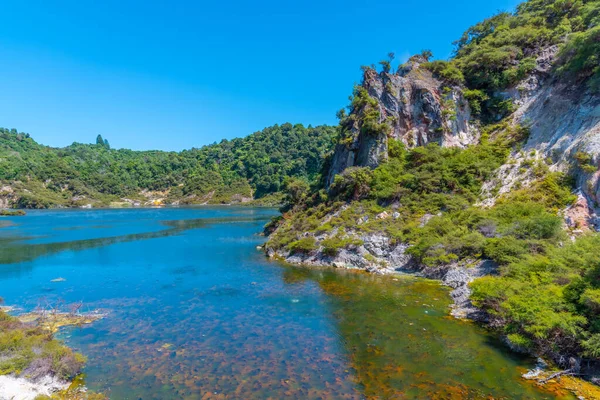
[179, 74]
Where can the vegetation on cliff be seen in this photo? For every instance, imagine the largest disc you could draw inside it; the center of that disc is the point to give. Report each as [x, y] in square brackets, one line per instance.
[546, 297]
[500, 51]
[250, 167]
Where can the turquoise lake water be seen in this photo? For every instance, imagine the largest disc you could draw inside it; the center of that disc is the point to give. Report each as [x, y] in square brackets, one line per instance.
[195, 311]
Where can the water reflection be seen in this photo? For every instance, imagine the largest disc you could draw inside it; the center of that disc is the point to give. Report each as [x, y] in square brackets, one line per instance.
[401, 344]
[13, 250]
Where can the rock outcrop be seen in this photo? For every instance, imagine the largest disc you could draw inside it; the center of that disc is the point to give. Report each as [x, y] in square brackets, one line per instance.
[380, 255]
[412, 106]
[376, 254]
[415, 107]
[563, 118]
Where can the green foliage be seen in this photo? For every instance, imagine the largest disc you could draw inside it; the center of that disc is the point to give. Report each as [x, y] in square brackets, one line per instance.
[493, 54]
[446, 71]
[591, 346]
[476, 98]
[369, 113]
[385, 65]
[296, 191]
[422, 180]
[522, 222]
[426, 54]
[585, 161]
[9, 213]
[32, 350]
[547, 296]
[553, 192]
[334, 244]
[304, 245]
[255, 166]
[500, 51]
[431, 178]
[354, 183]
[548, 302]
[102, 142]
[580, 57]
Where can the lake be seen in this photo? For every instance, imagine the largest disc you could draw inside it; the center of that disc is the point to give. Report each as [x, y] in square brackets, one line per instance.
[195, 311]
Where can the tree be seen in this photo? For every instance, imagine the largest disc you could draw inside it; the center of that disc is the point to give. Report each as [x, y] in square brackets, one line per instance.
[296, 190]
[427, 54]
[99, 140]
[386, 66]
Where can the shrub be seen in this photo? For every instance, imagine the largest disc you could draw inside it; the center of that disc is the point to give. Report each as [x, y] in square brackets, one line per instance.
[446, 71]
[580, 57]
[476, 98]
[30, 350]
[354, 183]
[333, 245]
[304, 245]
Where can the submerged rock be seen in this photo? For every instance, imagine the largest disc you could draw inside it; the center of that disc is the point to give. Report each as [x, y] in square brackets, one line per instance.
[53, 321]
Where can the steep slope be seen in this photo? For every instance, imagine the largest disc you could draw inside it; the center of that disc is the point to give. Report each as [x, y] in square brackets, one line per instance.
[564, 130]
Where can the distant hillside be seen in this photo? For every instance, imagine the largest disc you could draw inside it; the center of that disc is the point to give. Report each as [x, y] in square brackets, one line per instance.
[238, 170]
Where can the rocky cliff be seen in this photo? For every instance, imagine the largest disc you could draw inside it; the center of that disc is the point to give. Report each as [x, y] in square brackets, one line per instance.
[413, 106]
[410, 105]
[563, 119]
[499, 210]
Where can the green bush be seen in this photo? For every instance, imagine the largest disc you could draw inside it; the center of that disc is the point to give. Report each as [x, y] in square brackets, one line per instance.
[27, 348]
[304, 245]
[476, 98]
[580, 56]
[549, 300]
[333, 245]
[446, 71]
[354, 183]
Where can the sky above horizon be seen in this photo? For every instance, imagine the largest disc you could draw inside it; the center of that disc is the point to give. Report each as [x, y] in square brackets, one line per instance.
[175, 75]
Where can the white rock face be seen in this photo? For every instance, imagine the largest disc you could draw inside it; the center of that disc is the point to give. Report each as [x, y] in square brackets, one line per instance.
[13, 388]
[564, 119]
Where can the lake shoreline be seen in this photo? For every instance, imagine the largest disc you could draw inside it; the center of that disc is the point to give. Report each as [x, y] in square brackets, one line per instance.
[457, 278]
[259, 327]
[38, 379]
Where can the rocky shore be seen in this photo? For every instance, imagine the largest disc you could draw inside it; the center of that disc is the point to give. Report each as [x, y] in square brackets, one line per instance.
[378, 254]
[33, 339]
[20, 388]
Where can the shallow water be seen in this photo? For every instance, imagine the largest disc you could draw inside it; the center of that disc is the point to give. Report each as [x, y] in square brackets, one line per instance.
[195, 311]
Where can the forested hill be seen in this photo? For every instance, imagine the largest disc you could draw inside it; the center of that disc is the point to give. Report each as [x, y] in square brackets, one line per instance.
[254, 167]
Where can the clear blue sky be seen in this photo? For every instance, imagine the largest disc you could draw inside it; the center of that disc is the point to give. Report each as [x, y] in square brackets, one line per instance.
[179, 74]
